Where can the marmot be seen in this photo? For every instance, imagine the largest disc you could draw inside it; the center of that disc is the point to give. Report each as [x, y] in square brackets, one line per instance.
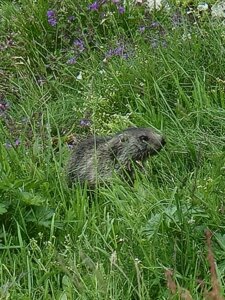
[96, 158]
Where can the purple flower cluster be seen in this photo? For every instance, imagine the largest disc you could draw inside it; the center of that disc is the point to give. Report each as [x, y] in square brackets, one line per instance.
[79, 44]
[94, 6]
[85, 123]
[155, 33]
[78, 49]
[52, 20]
[10, 145]
[153, 25]
[97, 4]
[121, 9]
[72, 60]
[4, 106]
[142, 28]
[118, 51]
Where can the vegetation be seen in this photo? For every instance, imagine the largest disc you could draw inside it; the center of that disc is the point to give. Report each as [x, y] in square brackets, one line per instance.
[72, 68]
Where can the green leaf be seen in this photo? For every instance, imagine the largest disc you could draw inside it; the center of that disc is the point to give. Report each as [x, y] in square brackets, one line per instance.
[31, 199]
[2, 209]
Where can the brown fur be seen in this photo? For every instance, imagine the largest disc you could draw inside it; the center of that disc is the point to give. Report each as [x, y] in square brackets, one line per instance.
[96, 158]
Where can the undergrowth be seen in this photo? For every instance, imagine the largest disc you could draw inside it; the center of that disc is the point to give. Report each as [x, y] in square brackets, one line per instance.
[72, 69]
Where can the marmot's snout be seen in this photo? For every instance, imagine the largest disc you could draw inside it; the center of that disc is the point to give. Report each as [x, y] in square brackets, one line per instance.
[156, 144]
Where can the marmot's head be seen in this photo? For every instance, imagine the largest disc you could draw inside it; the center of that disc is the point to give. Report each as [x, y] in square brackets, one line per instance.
[136, 144]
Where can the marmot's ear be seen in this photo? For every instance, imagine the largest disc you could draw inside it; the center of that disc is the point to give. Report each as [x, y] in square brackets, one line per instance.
[116, 143]
[123, 137]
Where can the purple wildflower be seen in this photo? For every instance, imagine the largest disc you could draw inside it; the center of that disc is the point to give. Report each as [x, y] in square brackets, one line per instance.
[79, 44]
[71, 61]
[52, 20]
[116, 1]
[94, 6]
[119, 51]
[17, 142]
[142, 29]
[110, 53]
[50, 13]
[155, 24]
[4, 106]
[71, 18]
[85, 123]
[121, 9]
[8, 145]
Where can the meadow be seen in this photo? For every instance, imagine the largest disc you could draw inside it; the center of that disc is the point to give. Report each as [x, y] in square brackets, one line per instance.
[69, 69]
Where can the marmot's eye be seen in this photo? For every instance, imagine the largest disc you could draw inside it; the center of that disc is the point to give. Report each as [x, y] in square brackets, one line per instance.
[144, 138]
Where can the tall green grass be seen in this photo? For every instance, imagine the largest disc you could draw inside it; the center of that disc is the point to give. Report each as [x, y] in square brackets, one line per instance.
[54, 243]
